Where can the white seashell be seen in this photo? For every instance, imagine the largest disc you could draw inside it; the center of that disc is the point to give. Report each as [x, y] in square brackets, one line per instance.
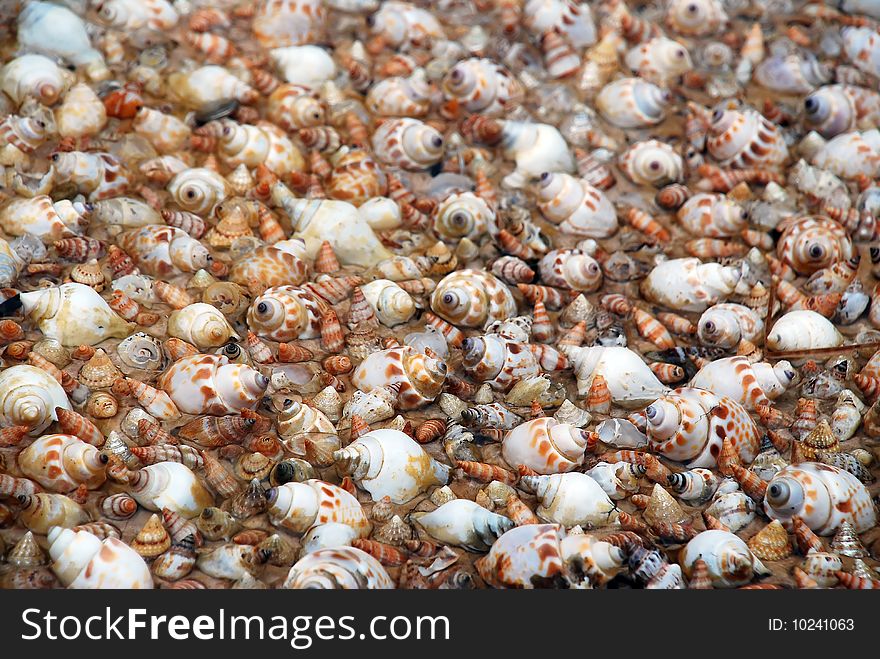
[56, 31]
[472, 298]
[33, 75]
[296, 422]
[571, 499]
[81, 560]
[288, 23]
[481, 85]
[575, 206]
[164, 131]
[652, 163]
[81, 113]
[849, 154]
[389, 463]
[340, 568]
[571, 268]
[632, 103]
[28, 397]
[59, 311]
[862, 47]
[417, 377]
[573, 20]
[43, 218]
[303, 65]
[735, 509]
[392, 304]
[617, 480]
[724, 325]
[697, 18]
[731, 562]
[791, 74]
[169, 485]
[713, 215]
[61, 463]
[404, 26]
[463, 523]
[631, 382]
[202, 325]
[536, 148]
[803, 330]
[689, 285]
[381, 213]
[464, 215]
[260, 144]
[298, 507]
[208, 85]
[748, 384]
[407, 143]
[659, 60]
[229, 561]
[327, 536]
[125, 212]
[210, 384]
[745, 139]
[132, 15]
[198, 190]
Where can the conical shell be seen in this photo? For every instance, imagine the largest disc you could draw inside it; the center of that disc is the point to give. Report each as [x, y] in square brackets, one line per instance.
[152, 540]
[771, 543]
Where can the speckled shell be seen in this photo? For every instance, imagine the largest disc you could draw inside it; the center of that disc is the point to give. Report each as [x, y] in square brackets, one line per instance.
[472, 298]
[404, 26]
[731, 563]
[41, 217]
[260, 144]
[713, 215]
[571, 268]
[745, 139]
[532, 550]
[198, 190]
[33, 75]
[481, 85]
[724, 325]
[294, 106]
[696, 18]
[401, 97]
[355, 178]
[298, 507]
[164, 131]
[389, 463]
[463, 523]
[631, 382]
[688, 425]
[803, 330]
[748, 384]
[835, 109]
[498, 360]
[420, 377]
[575, 206]
[338, 568]
[99, 174]
[285, 313]
[688, 284]
[169, 485]
[202, 325]
[632, 103]
[81, 113]
[571, 499]
[163, 251]
[58, 312]
[337, 222]
[536, 148]
[862, 47]
[464, 215]
[809, 244]
[822, 495]
[272, 265]
[61, 463]
[545, 445]
[392, 304]
[210, 384]
[28, 397]
[407, 143]
[652, 163]
[208, 85]
[81, 560]
[659, 60]
[850, 154]
[288, 22]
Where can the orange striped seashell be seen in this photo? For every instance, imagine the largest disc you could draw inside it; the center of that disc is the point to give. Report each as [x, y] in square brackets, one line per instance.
[519, 512]
[172, 295]
[803, 580]
[323, 139]
[185, 455]
[677, 324]
[633, 524]
[487, 473]
[251, 537]
[258, 350]
[337, 365]
[429, 430]
[291, 353]
[672, 196]
[700, 579]
[154, 401]
[358, 132]
[616, 303]
[13, 435]
[667, 373]
[806, 417]
[652, 330]
[186, 221]
[724, 180]
[178, 349]
[713, 524]
[18, 350]
[574, 336]
[750, 482]
[672, 532]
[513, 270]
[218, 478]
[772, 417]
[212, 431]
[205, 18]
[325, 259]
[548, 358]
[454, 336]
[728, 458]
[640, 501]
[599, 396]
[332, 339]
[485, 130]
[560, 59]
[119, 262]
[804, 536]
[215, 48]
[79, 250]
[359, 427]
[10, 331]
[269, 228]
[853, 582]
[542, 326]
[153, 434]
[76, 424]
[315, 189]
[83, 352]
[385, 554]
[552, 298]
[35, 359]
[360, 311]
[868, 385]
[714, 248]
[642, 221]
[124, 103]
[334, 289]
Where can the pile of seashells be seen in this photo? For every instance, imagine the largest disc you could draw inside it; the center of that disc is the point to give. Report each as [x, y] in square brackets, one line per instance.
[448, 294]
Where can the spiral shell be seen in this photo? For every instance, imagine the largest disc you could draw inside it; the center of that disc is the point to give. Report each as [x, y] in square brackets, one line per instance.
[287, 23]
[401, 97]
[285, 313]
[141, 351]
[573, 21]
[713, 215]
[659, 60]
[791, 74]
[407, 143]
[575, 206]
[338, 568]
[724, 325]
[862, 47]
[498, 360]
[545, 446]
[463, 215]
[481, 85]
[169, 485]
[208, 85]
[689, 285]
[40, 512]
[730, 561]
[404, 26]
[62, 463]
[652, 163]
[298, 507]
[696, 18]
[389, 463]
[28, 397]
[689, 425]
[198, 190]
[202, 325]
[293, 106]
[40, 216]
[355, 178]
[632, 103]
[420, 378]
[630, 381]
[163, 251]
[823, 496]
[260, 144]
[536, 149]
[745, 139]
[392, 304]
[803, 330]
[83, 561]
[571, 499]
[809, 244]
[749, 384]
[463, 523]
[567, 268]
[81, 113]
[472, 298]
[210, 384]
[33, 75]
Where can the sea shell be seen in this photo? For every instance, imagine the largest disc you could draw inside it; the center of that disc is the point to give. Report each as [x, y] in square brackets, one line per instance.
[81, 113]
[571, 269]
[745, 139]
[481, 85]
[791, 74]
[198, 190]
[463, 523]
[536, 149]
[472, 298]
[298, 507]
[285, 313]
[712, 215]
[58, 32]
[389, 463]
[407, 143]
[169, 485]
[210, 384]
[725, 325]
[392, 304]
[40, 512]
[202, 325]
[498, 361]
[420, 378]
[82, 561]
[689, 425]
[659, 60]
[835, 109]
[285, 23]
[571, 499]
[29, 397]
[652, 163]
[43, 218]
[464, 215]
[204, 86]
[573, 21]
[404, 26]
[689, 285]
[862, 48]
[577, 207]
[835, 496]
[632, 103]
[62, 463]
[545, 446]
[697, 18]
[338, 568]
[630, 381]
[803, 330]
[730, 561]
[33, 75]
[306, 65]
[749, 384]
[163, 251]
